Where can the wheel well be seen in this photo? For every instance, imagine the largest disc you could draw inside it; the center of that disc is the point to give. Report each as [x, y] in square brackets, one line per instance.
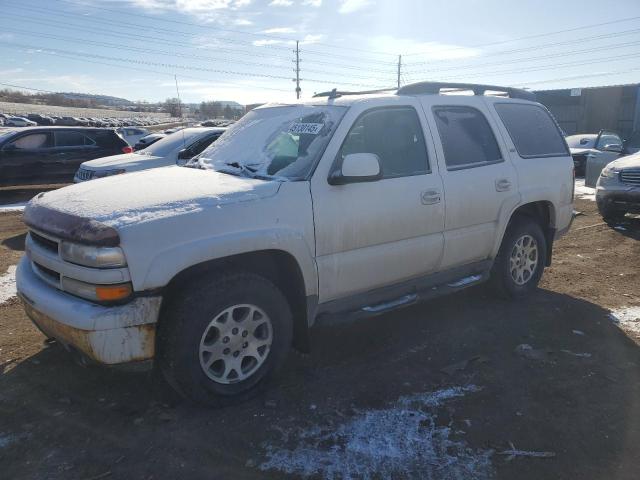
[278, 266]
[542, 213]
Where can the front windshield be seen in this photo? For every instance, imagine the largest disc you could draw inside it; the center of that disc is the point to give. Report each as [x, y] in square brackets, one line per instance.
[282, 142]
[171, 143]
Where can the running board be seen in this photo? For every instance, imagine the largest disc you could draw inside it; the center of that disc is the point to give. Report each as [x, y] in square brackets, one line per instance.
[391, 305]
[463, 282]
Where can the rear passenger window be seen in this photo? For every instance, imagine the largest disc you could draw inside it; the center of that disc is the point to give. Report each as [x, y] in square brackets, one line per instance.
[395, 135]
[532, 130]
[467, 138]
[72, 139]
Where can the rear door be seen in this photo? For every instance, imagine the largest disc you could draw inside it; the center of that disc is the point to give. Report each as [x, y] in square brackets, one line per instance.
[479, 179]
[72, 148]
[23, 159]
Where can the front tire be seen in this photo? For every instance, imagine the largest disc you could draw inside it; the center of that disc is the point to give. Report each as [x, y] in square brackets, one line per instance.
[223, 338]
[520, 262]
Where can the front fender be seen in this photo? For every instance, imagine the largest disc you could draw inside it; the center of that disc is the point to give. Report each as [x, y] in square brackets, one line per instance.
[169, 262]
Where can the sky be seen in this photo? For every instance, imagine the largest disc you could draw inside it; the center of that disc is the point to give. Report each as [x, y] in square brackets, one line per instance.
[244, 50]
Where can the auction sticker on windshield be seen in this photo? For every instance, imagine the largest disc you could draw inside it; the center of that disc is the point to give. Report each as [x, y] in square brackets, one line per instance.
[309, 128]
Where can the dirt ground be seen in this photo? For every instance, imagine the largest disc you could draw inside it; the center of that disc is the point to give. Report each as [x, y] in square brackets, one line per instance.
[372, 399]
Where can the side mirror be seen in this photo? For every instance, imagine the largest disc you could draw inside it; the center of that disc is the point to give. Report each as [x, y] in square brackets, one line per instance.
[357, 168]
[613, 147]
[185, 154]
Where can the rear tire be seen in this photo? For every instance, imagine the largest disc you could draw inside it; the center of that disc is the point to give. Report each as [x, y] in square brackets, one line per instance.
[223, 338]
[520, 262]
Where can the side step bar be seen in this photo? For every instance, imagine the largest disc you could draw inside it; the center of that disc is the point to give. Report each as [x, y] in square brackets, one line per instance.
[392, 305]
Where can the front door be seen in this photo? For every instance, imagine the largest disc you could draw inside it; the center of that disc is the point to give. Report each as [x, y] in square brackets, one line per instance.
[22, 160]
[370, 235]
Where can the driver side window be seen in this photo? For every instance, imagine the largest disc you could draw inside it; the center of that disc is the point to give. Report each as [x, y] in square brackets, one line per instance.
[395, 135]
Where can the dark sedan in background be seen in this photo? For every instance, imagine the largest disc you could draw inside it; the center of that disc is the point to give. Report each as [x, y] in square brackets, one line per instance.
[44, 155]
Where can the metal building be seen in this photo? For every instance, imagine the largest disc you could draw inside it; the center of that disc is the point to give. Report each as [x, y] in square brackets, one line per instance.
[589, 110]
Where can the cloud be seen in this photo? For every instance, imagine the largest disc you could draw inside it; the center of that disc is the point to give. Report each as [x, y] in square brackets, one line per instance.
[350, 6]
[281, 3]
[312, 3]
[263, 43]
[242, 22]
[420, 51]
[309, 39]
[279, 30]
[190, 6]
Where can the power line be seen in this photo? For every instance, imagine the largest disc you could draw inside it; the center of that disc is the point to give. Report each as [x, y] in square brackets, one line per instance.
[54, 51]
[580, 77]
[240, 32]
[539, 35]
[530, 59]
[174, 43]
[538, 47]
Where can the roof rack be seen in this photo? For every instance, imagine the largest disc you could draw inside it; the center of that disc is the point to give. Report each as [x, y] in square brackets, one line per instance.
[434, 88]
[336, 94]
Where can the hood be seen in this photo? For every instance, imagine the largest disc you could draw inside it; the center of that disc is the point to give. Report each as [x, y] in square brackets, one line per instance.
[630, 161]
[128, 161]
[125, 200]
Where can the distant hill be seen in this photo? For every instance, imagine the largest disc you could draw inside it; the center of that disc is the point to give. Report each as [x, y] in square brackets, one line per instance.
[106, 100]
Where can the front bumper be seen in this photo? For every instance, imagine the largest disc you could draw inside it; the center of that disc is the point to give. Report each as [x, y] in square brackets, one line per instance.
[105, 334]
[619, 196]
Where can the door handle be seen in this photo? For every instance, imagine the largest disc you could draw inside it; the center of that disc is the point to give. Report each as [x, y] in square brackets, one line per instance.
[503, 185]
[430, 197]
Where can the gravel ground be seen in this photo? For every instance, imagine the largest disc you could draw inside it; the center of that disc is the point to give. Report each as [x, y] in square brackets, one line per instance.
[464, 387]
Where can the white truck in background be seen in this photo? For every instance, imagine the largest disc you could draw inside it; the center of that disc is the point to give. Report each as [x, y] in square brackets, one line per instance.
[348, 205]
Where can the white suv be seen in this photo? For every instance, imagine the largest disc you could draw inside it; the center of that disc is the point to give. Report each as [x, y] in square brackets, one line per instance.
[347, 205]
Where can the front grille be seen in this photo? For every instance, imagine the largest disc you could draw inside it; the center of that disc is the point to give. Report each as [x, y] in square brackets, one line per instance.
[84, 174]
[47, 273]
[43, 242]
[630, 176]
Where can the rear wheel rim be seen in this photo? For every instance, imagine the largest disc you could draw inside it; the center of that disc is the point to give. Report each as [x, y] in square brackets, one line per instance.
[235, 344]
[523, 261]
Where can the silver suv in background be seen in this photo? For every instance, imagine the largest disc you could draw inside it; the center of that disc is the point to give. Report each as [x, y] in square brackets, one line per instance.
[618, 188]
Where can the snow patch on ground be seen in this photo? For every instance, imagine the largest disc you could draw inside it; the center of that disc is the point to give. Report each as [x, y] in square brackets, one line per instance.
[583, 192]
[13, 207]
[401, 441]
[628, 318]
[8, 284]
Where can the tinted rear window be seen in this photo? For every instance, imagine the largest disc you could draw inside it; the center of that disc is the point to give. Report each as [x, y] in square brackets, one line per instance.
[532, 129]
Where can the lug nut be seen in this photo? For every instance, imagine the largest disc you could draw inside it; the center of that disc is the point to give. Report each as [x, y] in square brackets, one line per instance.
[225, 340]
[245, 333]
[245, 345]
[234, 331]
[226, 351]
[236, 353]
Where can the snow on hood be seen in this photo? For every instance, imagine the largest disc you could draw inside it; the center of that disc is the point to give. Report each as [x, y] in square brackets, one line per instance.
[121, 161]
[630, 161]
[124, 200]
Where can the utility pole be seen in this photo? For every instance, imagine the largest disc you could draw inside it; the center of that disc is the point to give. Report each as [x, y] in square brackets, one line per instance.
[399, 69]
[297, 70]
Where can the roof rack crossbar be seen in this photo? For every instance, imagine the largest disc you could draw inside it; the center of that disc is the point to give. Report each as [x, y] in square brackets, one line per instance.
[336, 94]
[434, 88]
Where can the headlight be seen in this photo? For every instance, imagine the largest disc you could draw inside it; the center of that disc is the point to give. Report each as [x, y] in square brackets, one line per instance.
[609, 172]
[88, 256]
[108, 173]
[97, 293]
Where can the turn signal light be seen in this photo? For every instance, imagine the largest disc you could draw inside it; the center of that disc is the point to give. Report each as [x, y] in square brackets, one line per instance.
[110, 293]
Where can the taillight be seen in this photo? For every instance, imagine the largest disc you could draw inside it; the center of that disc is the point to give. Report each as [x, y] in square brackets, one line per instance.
[127, 149]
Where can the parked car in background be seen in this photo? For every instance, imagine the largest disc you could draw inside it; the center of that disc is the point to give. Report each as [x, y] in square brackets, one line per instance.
[174, 149]
[69, 122]
[42, 120]
[19, 122]
[169, 131]
[632, 144]
[339, 206]
[618, 188]
[596, 150]
[43, 155]
[132, 134]
[148, 140]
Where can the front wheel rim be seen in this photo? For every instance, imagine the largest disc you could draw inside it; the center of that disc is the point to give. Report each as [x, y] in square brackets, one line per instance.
[235, 344]
[523, 262]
